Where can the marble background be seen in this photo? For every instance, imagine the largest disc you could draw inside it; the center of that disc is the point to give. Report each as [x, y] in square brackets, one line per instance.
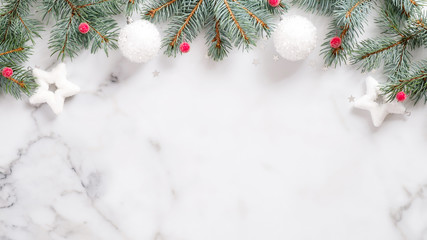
[190, 149]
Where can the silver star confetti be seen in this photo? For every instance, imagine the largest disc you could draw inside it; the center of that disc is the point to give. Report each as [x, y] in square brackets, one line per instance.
[255, 62]
[276, 58]
[351, 98]
[156, 73]
[325, 68]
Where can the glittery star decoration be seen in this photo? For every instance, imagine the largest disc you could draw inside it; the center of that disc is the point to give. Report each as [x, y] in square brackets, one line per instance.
[276, 58]
[351, 98]
[255, 62]
[64, 88]
[156, 73]
[325, 68]
[370, 102]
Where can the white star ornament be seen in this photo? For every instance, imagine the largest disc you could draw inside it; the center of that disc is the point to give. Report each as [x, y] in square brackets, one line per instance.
[378, 111]
[64, 88]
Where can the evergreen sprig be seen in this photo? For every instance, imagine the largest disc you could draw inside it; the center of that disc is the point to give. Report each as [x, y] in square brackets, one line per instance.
[18, 31]
[238, 23]
[349, 19]
[404, 30]
[66, 40]
[393, 48]
[413, 82]
[324, 7]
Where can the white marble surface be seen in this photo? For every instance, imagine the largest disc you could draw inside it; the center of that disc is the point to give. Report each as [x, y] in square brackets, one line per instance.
[212, 151]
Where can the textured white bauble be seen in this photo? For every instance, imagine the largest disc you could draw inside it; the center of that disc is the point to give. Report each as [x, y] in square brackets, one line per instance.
[295, 37]
[139, 41]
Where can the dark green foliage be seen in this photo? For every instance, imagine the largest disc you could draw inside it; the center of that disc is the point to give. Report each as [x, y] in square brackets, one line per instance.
[404, 30]
[393, 48]
[133, 6]
[238, 23]
[17, 30]
[413, 82]
[228, 24]
[325, 7]
[66, 40]
[402, 35]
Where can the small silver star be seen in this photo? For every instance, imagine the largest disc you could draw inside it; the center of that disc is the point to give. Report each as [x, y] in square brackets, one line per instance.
[276, 58]
[325, 68]
[156, 73]
[255, 62]
[351, 98]
[312, 63]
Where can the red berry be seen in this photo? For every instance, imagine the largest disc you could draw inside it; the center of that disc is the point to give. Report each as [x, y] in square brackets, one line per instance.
[274, 3]
[401, 96]
[335, 42]
[84, 28]
[184, 47]
[7, 72]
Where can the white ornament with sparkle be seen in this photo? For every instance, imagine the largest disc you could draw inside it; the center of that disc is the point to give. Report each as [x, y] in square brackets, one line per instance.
[139, 41]
[64, 88]
[295, 37]
[378, 110]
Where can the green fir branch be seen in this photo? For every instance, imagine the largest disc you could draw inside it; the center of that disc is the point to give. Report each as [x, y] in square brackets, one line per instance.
[392, 50]
[132, 6]
[17, 29]
[238, 23]
[406, 7]
[66, 40]
[161, 10]
[217, 39]
[413, 82]
[349, 19]
[324, 7]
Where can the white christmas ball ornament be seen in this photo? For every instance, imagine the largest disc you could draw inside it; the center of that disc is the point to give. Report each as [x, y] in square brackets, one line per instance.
[139, 41]
[295, 37]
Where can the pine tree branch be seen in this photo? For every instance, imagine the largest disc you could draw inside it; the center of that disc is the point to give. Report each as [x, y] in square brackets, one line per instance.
[325, 7]
[413, 2]
[349, 18]
[350, 11]
[17, 29]
[153, 12]
[11, 13]
[413, 82]
[421, 24]
[12, 51]
[252, 15]
[66, 40]
[217, 37]
[228, 22]
[66, 35]
[242, 32]
[403, 41]
[90, 4]
[20, 83]
[187, 20]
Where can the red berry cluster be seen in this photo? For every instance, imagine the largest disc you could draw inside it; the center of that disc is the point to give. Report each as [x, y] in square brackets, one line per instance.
[401, 96]
[274, 3]
[7, 72]
[184, 47]
[84, 28]
[335, 42]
